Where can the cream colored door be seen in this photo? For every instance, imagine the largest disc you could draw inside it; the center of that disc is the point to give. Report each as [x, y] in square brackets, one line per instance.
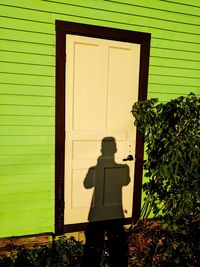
[101, 87]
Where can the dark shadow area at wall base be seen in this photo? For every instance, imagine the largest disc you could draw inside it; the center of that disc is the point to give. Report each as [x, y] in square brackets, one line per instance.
[111, 233]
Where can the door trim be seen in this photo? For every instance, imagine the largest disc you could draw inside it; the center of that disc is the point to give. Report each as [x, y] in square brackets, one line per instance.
[63, 28]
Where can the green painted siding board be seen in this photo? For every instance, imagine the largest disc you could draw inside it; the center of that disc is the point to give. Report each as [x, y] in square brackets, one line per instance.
[26, 120]
[31, 221]
[26, 47]
[26, 216]
[26, 110]
[25, 169]
[31, 224]
[10, 130]
[27, 187]
[26, 58]
[27, 90]
[167, 92]
[29, 5]
[162, 98]
[174, 90]
[24, 25]
[27, 79]
[16, 229]
[26, 140]
[177, 45]
[29, 159]
[194, 3]
[176, 63]
[173, 53]
[27, 93]
[22, 197]
[39, 38]
[26, 14]
[26, 100]
[28, 149]
[165, 97]
[27, 178]
[173, 80]
[181, 72]
[17, 68]
[27, 206]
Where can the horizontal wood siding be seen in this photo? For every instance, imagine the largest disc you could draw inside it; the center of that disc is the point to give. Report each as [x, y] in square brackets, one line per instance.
[27, 111]
[27, 87]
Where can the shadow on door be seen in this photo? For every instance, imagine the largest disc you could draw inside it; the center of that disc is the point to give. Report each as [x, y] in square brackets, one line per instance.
[106, 211]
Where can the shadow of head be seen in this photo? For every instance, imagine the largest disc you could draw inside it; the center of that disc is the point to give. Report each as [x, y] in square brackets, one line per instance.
[108, 146]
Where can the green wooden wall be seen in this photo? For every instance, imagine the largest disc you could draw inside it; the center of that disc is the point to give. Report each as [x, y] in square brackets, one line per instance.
[27, 87]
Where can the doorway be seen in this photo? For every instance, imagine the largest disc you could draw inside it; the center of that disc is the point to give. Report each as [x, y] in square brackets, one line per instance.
[100, 73]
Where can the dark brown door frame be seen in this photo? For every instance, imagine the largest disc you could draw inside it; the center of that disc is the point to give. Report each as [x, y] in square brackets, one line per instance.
[63, 28]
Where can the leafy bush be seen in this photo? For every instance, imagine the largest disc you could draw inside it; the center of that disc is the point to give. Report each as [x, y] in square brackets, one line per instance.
[151, 246]
[172, 137]
[64, 252]
[172, 169]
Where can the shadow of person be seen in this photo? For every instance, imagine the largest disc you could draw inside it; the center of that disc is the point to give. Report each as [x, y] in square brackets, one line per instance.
[106, 211]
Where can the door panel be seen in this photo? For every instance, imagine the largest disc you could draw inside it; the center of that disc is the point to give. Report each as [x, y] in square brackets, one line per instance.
[88, 78]
[120, 76]
[101, 87]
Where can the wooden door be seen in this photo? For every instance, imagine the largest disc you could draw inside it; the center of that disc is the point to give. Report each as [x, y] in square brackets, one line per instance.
[101, 87]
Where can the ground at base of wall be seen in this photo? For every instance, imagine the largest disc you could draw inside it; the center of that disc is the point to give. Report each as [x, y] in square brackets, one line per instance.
[27, 241]
[150, 244]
